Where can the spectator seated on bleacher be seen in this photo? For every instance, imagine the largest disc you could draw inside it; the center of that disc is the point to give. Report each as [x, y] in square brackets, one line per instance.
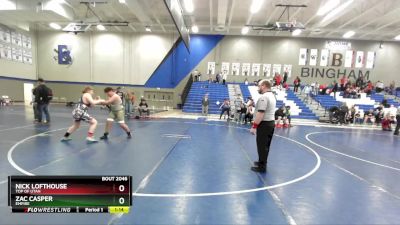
[379, 87]
[358, 117]
[143, 108]
[384, 103]
[249, 113]
[369, 88]
[391, 89]
[281, 117]
[350, 117]
[387, 122]
[277, 79]
[323, 89]
[242, 114]
[379, 114]
[369, 117]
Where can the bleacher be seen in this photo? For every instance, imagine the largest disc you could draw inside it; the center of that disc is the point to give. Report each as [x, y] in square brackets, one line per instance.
[287, 97]
[363, 104]
[216, 93]
[378, 99]
[305, 112]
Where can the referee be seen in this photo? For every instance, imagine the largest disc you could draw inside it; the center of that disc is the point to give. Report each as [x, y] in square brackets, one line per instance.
[264, 124]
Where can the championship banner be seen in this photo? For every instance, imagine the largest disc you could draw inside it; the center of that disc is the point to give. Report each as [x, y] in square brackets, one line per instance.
[287, 69]
[17, 54]
[303, 57]
[359, 59]
[245, 69]
[225, 68]
[27, 56]
[26, 42]
[324, 57]
[276, 68]
[313, 57]
[255, 71]
[266, 70]
[370, 60]
[235, 69]
[5, 52]
[211, 68]
[16, 38]
[348, 62]
[5, 35]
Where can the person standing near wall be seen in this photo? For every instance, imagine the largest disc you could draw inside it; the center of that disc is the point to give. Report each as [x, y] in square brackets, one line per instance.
[128, 103]
[116, 113]
[224, 77]
[204, 105]
[264, 124]
[34, 107]
[43, 95]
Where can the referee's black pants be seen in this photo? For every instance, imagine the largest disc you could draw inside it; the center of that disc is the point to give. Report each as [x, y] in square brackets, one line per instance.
[265, 132]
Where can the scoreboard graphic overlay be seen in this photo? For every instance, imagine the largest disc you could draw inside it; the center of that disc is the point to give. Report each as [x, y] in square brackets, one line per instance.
[70, 194]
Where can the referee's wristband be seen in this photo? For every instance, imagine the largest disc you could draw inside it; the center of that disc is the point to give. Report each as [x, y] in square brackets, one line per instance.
[254, 126]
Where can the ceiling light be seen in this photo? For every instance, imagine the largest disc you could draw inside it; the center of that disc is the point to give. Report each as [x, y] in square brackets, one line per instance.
[188, 6]
[331, 4]
[397, 38]
[148, 29]
[245, 30]
[195, 29]
[336, 11]
[349, 34]
[256, 6]
[296, 32]
[100, 27]
[122, 1]
[55, 26]
[7, 5]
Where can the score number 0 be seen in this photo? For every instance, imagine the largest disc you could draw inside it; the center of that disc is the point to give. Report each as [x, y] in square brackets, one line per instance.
[121, 188]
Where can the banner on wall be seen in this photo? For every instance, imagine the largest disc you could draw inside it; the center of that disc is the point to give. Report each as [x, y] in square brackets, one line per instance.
[16, 38]
[5, 35]
[235, 69]
[303, 57]
[276, 68]
[16, 54]
[255, 70]
[313, 57]
[26, 42]
[225, 68]
[287, 69]
[27, 56]
[5, 52]
[348, 61]
[211, 68]
[370, 60]
[324, 57]
[359, 59]
[267, 70]
[245, 69]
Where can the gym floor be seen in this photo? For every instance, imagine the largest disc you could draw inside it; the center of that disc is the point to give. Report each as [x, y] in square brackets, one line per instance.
[198, 171]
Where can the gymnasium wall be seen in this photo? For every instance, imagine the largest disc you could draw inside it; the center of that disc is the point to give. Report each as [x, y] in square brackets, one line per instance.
[282, 50]
[118, 58]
